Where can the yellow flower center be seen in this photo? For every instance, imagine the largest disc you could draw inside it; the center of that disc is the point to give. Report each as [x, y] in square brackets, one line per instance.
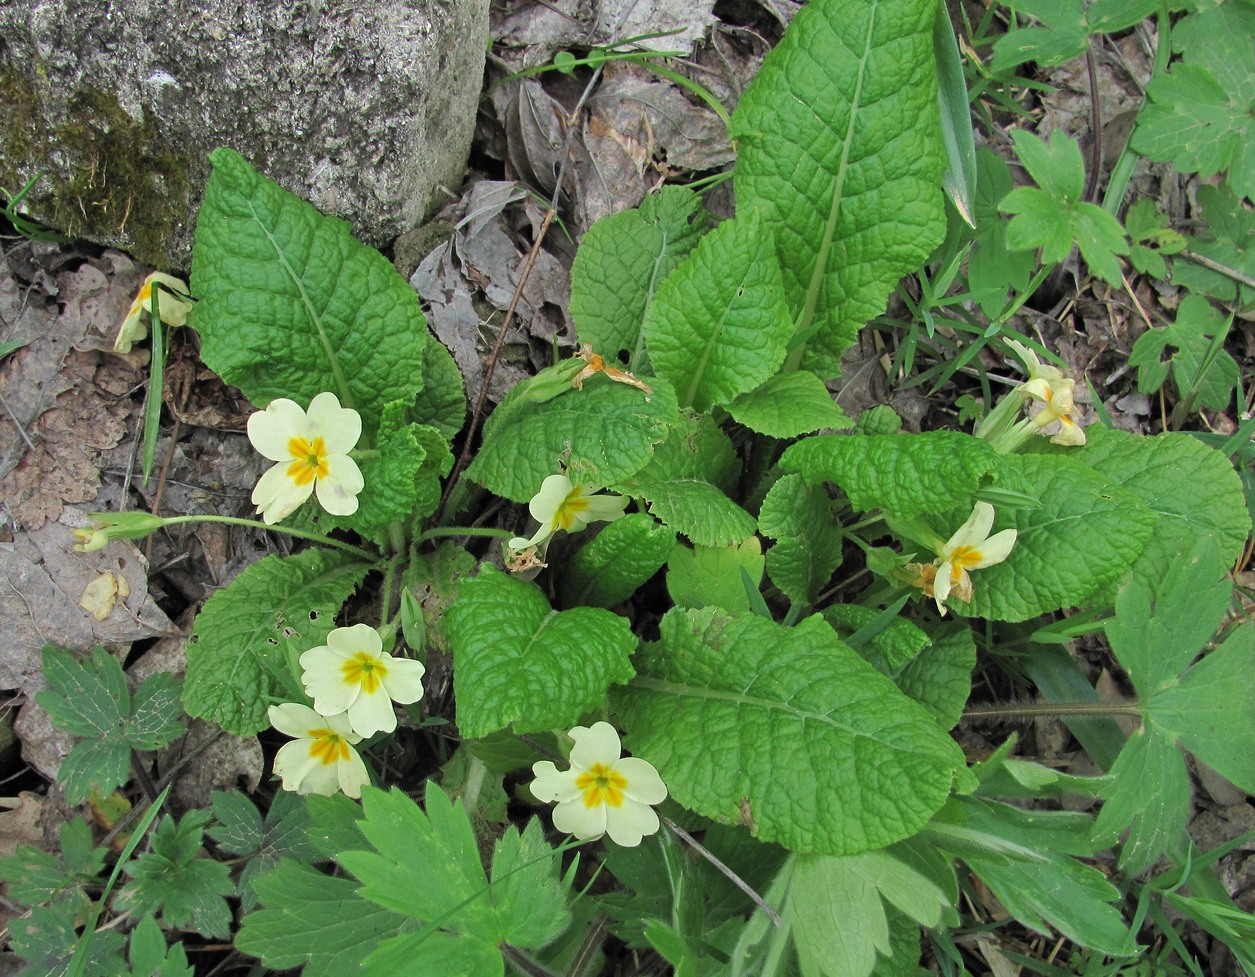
[366, 670]
[328, 746]
[573, 504]
[601, 785]
[963, 558]
[309, 460]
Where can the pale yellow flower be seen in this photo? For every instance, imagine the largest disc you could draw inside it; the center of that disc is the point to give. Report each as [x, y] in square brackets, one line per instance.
[971, 548]
[172, 305]
[321, 758]
[312, 450]
[604, 792]
[351, 676]
[560, 504]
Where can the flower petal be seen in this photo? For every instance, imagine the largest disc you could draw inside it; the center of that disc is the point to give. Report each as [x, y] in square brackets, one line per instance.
[337, 492]
[941, 583]
[294, 719]
[332, 695]
[271, 429]
[404, 682]
[628, 824]
[995, 549]
[339, 427]
[352, 774]
[347, 642]
[546, 503]
[643, 783]
[974, 531]
[596, 744]
[296, 764]
[552, 784]
[604, 508]
[371, 714]
[277, 496]
[573, 818]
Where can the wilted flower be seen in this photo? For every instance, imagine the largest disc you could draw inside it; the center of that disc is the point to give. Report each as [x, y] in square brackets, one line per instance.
[351, 675]
[1046, 386]
[604, 792]
[115, 525]
[172, 305]
[321, 758]
[560, 504]
[312, 451]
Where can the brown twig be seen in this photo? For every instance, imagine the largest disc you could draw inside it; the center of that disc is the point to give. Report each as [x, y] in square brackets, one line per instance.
[1095, 125]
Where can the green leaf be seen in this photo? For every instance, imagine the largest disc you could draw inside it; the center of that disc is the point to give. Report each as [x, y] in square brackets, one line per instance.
[425, 864]
[442, 400]
[242, 831]
[1198, 115]
[236, 647]
[695, 508]
[1054, 217]
[750, 722]
[890, 643]
[603, 434]
[48, 938]
[708, 576]
[1200, 711]
[1151, 237]
[313, 920]
[622, 261]
[837, 906]
[719, 325]
[808, 538]
[789, 405]
[149, 955]
[625, 554]
[904, 475]
[695, 449]
[175, 878]
[1229, 241]
[291, 305]
[1084, 536]
[91, 700]
[1150, 795]
[1192, 488]
[1066, 28]
[1024, 859]
[519, 661]
[940, 678]
[842, 158]
[35, 876]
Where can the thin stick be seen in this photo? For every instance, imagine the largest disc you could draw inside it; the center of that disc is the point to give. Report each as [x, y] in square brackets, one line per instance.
[1095, 125]
[731, 876]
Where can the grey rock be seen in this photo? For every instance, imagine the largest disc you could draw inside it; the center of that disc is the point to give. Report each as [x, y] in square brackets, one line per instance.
[365, 110]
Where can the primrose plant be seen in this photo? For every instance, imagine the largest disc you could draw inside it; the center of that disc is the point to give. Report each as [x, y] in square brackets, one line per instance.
[683, 579]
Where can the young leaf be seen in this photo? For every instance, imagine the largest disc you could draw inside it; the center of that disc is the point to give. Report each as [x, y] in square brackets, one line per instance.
[175, 879]
[1084, 536]
[808, 539]
[622, 261]
[789, 405]
[34, 876]
[992, 267]
[1151, 238]
[625, 554]
[1054, 217]
[91, 700]
[753, 723]
[603, 434]
[1198, 114]
[842, 158]
[1193, 489]
[719, 324]
[149, 955]
[518, 661]
[906, 476]
[236, 651]
[710, 576]
[314, 920]
[291, 305]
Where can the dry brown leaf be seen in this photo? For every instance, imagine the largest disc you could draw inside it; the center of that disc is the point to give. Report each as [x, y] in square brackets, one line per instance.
[42, 580]
[21, 822]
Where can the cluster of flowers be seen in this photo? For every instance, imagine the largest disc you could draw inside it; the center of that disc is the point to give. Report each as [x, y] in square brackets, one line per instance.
[353, 683]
